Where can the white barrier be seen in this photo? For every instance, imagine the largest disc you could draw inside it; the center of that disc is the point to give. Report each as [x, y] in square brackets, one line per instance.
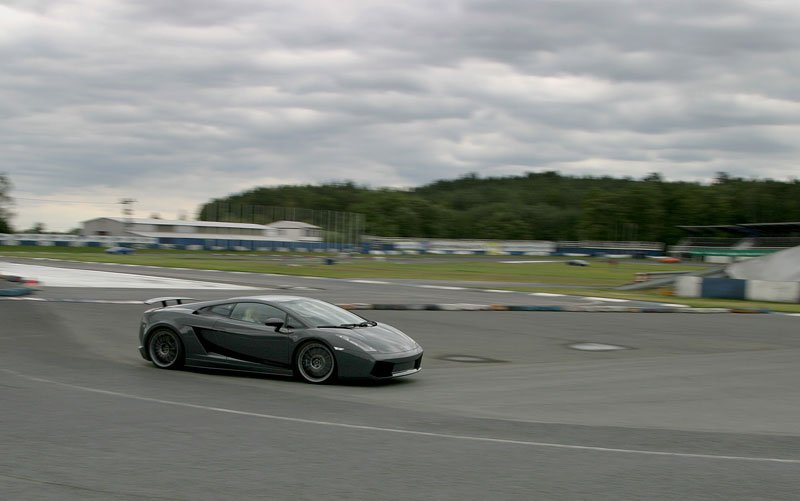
[779, 292]
[754, 290]
[689, 286]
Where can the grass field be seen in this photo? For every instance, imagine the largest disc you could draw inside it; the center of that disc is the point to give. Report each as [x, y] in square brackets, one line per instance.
[598, 279]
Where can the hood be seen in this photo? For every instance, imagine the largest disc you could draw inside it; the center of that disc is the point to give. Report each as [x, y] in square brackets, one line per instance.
[384, 338]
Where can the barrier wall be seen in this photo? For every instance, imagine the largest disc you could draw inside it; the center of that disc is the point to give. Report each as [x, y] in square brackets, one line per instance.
[688, 286]
[723, 288]
[377, 245]
[172, 243]
[732, 288]
[779, 292]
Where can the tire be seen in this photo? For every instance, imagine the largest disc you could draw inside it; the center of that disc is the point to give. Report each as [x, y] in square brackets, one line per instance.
[315, 363]
[165, 349]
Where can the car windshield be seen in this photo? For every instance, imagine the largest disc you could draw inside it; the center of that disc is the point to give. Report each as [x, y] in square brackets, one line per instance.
[319, 313]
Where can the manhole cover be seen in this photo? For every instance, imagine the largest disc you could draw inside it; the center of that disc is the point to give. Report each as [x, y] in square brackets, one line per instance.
[470, 359]
[597, 347]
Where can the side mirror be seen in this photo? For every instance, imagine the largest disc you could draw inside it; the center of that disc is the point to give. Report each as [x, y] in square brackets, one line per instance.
[274, 322]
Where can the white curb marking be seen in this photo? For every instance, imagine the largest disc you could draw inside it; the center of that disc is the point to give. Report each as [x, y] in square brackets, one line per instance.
[606, 299]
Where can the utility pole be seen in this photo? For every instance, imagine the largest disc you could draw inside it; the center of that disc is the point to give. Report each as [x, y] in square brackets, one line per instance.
[127, 212]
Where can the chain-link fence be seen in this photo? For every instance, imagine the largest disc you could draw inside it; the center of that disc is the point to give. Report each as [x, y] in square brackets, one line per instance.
[339, 230]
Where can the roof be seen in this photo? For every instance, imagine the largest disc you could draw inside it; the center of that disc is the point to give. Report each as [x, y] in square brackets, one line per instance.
[210, 236]
[179, 222]
[752, 229]
[291, 224]
[276, 298]
[711, 227]
[215, 224]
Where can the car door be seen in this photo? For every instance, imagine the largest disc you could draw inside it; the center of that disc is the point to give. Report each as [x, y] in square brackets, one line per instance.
[203, 324]
[245, 337]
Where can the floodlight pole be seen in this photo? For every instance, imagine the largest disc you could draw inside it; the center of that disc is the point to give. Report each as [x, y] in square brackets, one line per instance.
[127, 212]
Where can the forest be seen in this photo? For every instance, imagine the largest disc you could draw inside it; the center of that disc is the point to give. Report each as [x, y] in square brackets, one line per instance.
[535, 206]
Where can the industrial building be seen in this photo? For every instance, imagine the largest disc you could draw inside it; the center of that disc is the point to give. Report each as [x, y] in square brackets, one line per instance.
[208, 234]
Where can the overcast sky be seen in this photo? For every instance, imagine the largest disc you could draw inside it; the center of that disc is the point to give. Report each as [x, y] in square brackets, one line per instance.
[176, 102]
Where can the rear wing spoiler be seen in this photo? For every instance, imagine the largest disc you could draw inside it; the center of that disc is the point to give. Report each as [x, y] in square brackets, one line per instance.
[165, 300]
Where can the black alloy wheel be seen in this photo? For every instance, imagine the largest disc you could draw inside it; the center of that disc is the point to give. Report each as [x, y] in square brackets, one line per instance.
[315, 363]
[165, 349]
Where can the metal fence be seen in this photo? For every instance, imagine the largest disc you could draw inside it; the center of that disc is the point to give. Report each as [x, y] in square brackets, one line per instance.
[340, 230]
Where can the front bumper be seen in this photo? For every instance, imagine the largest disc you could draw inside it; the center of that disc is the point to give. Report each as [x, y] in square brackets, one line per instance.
[378, 366]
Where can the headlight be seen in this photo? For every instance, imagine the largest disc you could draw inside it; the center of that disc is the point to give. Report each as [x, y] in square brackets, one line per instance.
[355, 342]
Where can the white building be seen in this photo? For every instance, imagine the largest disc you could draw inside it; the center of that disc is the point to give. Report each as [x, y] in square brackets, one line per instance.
[296, 230]
[207, 234]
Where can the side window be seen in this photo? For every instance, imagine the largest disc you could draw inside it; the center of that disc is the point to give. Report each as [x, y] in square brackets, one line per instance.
[220, 310]
[256, 313]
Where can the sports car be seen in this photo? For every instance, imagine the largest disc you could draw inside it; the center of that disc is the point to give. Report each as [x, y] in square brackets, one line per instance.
[310, 339]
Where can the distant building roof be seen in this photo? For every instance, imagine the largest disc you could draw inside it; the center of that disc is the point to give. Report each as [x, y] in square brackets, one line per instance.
[179, 222]
[753, 229]
[291, 224]
[210, 236]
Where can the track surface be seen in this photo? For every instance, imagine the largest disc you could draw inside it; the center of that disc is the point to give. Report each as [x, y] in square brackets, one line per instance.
[700, 407]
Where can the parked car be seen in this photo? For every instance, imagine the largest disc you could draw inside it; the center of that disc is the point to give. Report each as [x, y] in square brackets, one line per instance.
[119, 250]
[577, 262]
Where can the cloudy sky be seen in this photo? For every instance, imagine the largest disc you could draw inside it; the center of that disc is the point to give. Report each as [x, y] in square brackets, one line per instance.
[173, 103]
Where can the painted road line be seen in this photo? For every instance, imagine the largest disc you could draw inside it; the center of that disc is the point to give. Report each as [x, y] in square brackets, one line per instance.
[673, 305]
[500, 291]
[546, 294]
[442, 287]
[525, 262]
[606, 299]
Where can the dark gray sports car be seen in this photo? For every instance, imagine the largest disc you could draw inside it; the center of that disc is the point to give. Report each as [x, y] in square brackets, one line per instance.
[284, 335]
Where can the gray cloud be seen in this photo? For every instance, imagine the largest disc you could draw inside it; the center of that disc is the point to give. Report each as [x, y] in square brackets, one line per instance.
[175, 103]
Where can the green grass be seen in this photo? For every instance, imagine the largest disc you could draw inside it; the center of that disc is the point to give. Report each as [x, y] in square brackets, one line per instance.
[460, 268]
[599, 279]
[664, 296]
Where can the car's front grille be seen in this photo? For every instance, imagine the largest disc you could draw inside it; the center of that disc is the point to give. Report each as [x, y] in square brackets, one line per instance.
[384, 368]
[403, 366]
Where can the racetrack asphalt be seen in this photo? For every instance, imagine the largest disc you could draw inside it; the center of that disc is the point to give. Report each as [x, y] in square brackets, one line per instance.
[696, 407]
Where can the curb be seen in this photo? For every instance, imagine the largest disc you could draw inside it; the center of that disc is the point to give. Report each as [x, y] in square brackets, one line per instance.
[569, 308]
[15, 291]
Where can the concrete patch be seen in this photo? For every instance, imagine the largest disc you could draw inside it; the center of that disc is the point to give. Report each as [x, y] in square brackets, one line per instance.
[470, 359]
[597, 347]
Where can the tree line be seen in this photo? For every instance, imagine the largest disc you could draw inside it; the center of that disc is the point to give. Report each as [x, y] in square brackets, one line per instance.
[5, 204]
[536, 206]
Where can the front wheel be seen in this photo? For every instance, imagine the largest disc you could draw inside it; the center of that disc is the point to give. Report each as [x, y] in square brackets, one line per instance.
[315, 363]
[165, 349]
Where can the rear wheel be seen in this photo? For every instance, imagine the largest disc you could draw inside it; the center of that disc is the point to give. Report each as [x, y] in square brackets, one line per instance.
[315, 363]
[165, 349]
